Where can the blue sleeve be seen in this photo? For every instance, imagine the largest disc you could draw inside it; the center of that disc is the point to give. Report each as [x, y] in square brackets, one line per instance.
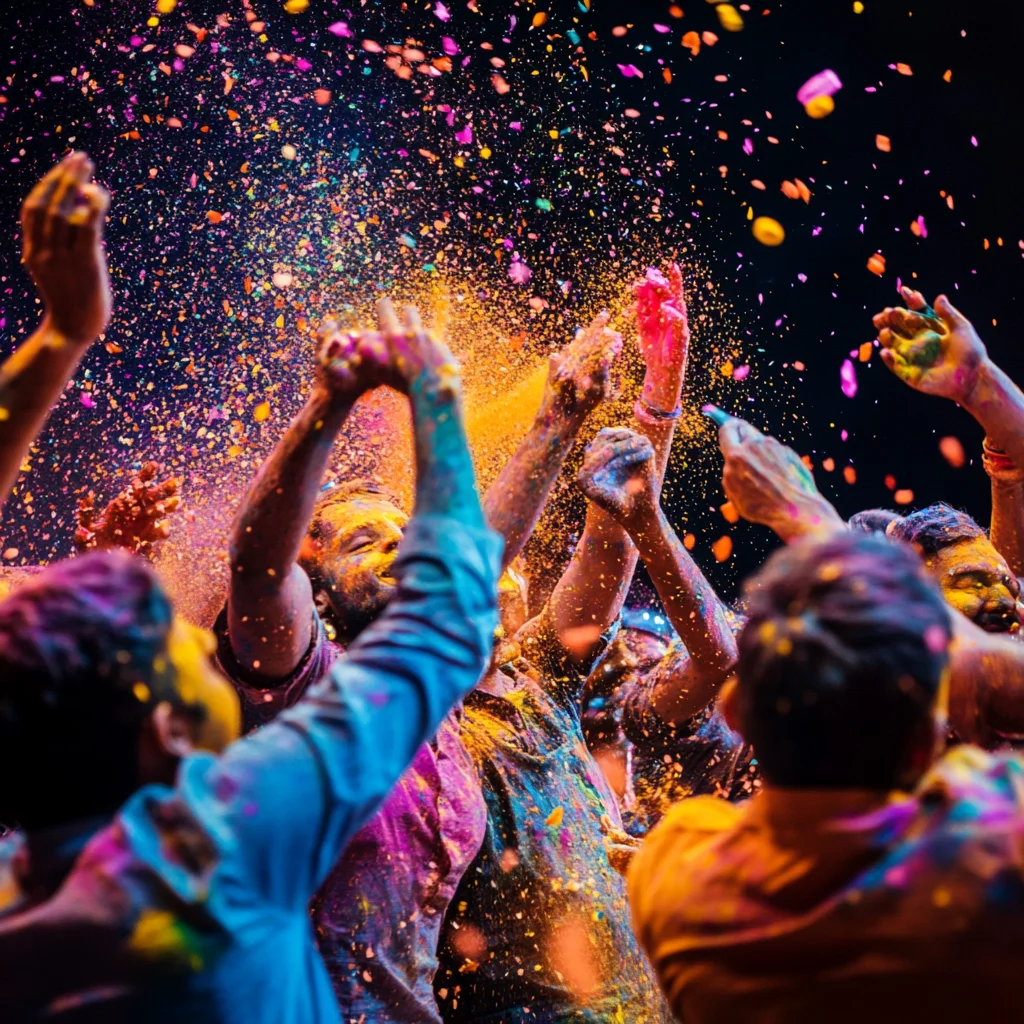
[282, 803]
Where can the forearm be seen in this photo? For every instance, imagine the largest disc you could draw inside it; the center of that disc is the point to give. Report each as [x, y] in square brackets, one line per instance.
[515, 500]
[31, 381]
[445, 479]
[270, 602]
[593, 588]
[696, 613]
[986, 688]
[998, 405]
[1007, 532]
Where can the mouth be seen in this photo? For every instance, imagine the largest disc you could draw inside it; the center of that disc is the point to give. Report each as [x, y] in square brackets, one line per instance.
[998, 621]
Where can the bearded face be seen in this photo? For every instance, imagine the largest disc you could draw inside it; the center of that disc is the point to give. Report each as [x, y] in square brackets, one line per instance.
[978, 583]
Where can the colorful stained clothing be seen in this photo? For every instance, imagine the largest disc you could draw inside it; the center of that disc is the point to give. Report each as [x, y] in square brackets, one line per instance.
[669, 763]
[539, 929]
[808, 906]
[192, 905]
[378, 915]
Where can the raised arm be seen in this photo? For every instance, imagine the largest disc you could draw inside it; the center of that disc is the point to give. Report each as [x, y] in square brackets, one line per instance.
[270, 601]
[937, 351]
[768, 482]
[589, 596]
[294, 792]
[578, 379]
[619, 475]
[62, 239]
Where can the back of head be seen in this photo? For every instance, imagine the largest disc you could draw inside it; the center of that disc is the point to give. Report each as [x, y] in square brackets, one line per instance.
[82, 660]
[874, 520]
[935, 527]
[840, 664]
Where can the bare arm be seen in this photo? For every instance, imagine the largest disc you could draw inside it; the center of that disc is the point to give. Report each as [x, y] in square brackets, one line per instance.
[62, 227]
[270, 602]
[1007, 531]
[589, 596]
[619, 474]
[578, 379]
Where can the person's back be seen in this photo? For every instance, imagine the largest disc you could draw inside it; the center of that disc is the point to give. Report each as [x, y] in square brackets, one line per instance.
[860, 884]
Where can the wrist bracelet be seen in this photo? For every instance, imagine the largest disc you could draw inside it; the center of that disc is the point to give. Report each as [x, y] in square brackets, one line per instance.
[648, 413]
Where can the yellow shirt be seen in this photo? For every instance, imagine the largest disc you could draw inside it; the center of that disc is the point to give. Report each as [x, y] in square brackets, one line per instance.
[817, 906]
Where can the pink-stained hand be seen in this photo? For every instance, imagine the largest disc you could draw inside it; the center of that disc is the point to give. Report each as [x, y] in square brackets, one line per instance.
[664, 331]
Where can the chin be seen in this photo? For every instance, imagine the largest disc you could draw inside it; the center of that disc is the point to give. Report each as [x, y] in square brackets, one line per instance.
[998, 624]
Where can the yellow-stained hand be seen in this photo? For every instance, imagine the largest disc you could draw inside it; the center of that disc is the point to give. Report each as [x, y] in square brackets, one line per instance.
[579, 377]
[934, 350]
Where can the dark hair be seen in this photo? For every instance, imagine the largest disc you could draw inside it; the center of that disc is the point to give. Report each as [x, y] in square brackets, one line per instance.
[840, 662]
[935, 527]
[82, 663]
[873, 520]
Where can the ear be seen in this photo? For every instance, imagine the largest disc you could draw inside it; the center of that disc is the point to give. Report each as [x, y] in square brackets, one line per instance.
[728, 702]
[172, 731]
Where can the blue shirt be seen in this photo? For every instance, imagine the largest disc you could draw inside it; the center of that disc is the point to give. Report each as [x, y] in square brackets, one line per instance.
[192, 905]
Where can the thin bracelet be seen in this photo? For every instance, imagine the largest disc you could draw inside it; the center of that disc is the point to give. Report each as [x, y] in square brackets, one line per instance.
[648, 413]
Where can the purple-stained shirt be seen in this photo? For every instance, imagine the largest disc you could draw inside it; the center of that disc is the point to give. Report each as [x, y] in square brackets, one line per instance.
[379, 913]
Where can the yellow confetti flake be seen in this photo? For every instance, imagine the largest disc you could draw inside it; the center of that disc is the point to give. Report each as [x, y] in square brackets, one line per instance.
[858, 7]
[166, 6]
[296, 6]
[729, 18]
[819, 107]
[261, 412]
[769, 231]
[554, 819]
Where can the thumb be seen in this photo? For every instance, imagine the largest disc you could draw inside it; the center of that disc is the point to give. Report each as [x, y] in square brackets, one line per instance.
[951, 316]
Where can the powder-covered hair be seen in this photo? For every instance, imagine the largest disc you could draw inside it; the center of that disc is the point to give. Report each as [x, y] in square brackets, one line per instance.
[82, 663]
[873, 520]
[936, 527]
[840, 663]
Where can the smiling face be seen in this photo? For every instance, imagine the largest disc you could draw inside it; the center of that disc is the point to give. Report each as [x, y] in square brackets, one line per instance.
[351, 557]
[978, 583]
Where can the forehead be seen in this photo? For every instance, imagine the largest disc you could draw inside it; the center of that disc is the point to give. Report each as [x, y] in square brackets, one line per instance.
[345, 517]
[978, 551]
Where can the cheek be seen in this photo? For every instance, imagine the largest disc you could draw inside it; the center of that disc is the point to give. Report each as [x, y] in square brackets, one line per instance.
[967, 602]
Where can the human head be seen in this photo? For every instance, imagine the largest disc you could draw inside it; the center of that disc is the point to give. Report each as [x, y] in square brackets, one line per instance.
[102, 689]
[874, 520]
[974, 577]
[840, 665]
[352, 542]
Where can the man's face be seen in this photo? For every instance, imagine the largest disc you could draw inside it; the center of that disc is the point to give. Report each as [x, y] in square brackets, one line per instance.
[977, 582]
[357, 547]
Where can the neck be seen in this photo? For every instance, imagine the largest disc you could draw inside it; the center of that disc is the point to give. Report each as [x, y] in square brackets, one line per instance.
[784, 804]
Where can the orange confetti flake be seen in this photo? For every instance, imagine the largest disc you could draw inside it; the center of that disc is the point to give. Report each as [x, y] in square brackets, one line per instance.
[828, 465]
[952, 451]
[666, 73]
[322, 97]
[214, 217]
[904, 496]
[876, 264]
[849, 474]
[883, 143]
[728, 510]
[890, 482]
[864, 352]
[554, 819]
[692, 42]
[689, 542]
[722, 548]
[904, 69]
[261, 412]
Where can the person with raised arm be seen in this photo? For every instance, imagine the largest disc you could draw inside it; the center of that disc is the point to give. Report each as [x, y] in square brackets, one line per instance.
[162, 867]
[378, 929]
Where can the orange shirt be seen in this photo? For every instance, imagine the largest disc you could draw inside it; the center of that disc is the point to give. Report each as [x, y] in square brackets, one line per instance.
[828, 907]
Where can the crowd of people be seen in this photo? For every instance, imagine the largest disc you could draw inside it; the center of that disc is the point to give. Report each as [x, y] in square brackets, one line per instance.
[380, 790]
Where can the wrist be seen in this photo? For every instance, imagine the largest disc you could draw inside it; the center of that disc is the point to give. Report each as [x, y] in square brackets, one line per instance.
[662, 389]
[328, 407]
[647, 525]
[986, 386]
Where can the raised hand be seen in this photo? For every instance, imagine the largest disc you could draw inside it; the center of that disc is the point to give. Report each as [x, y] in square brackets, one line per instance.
[936, 351]
[579, 377]
[664, 334]
[135, 520]
[769, 483]
[423, 365]
[352, 362]
[619, 475]
[62, 228]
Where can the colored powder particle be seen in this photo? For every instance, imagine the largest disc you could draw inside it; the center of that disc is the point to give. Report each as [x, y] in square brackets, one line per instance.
[289, 152]
[689, 542]
[883, 143]
[340, 28]
[261, 412]
[728, 510]
[692, 41]
[825, 83]
[864, 352]
[904, 496]
[768, 231]
[520, 272]
[858, 7]
[848, 378]
[86, 399]
[876, 264]
[819, 107]
[850, 475]
[729, 18]
[165, 6]
[904, 69]
[918, 228]
[890, 482]
[952, 451]
[441, 12]
[322, 97]
[554, 819]
[741, 372]
[722, 548]
[465, 136]
[296, 6]
[539, 19]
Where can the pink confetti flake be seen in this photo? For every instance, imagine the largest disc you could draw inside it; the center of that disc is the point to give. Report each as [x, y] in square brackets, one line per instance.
[520, 272]
[449, 46]
[465, 136]
[848, 378]
[86, 399]
[441, 12]
[661, 28]
[630, 71]
[741, 373]
[340, 28]
[748, 146]
[825, 83]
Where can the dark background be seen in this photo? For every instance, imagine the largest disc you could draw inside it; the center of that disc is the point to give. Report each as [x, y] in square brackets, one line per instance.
[892, 430]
